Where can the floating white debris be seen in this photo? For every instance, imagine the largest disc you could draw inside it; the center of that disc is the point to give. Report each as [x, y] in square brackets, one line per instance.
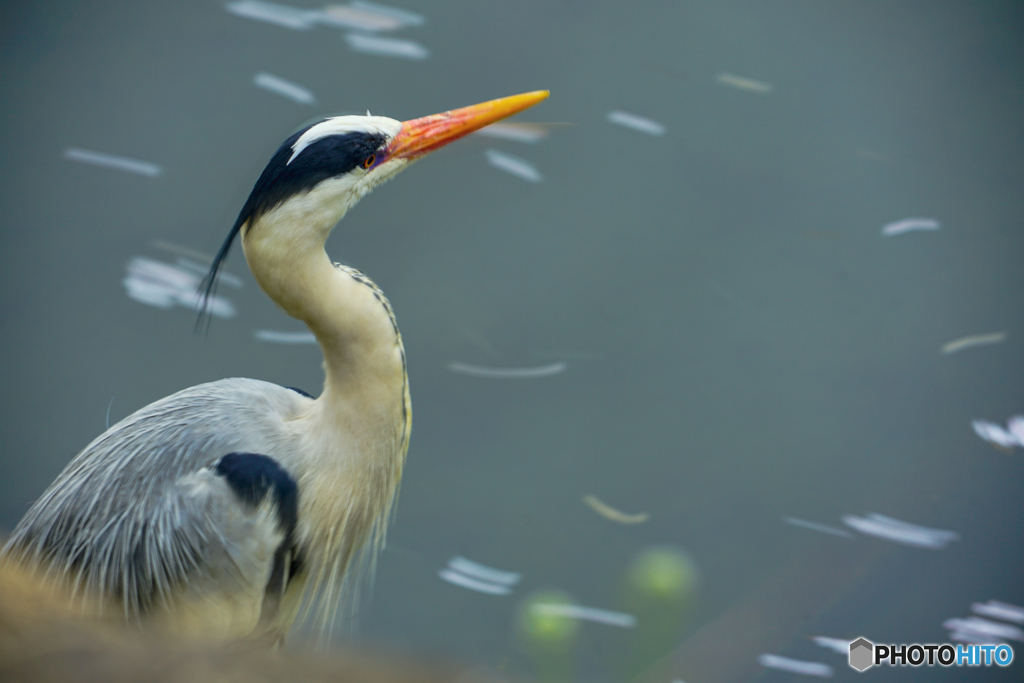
[367, 16]
[478, 577]
[273, 13]
[985, 628]
[748, 84]
[473, 584]
[198, 262]
[608, 512]
[163, 285]
[796, 666]
[1007, 438]
[507, 373]
[837, 644]
[346, 16]
[483, 572]
[909, 224]
[1016, 427]
[898, 531]
[282, 337]
[171, 280]
[638, 123]
[825, 529]
[280, 86]
[516, 132]
[999, 610]
[110, 161]
[514, 165]
[598, 616]
[340, 16]
[386, 47]
[973, 340]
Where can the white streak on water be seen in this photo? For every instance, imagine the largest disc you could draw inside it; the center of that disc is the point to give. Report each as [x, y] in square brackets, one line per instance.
[909, 224]
[993, 433]
[163, 285]
[984, 627]
[999, 610]
[598, 616]
[898, 531]
[273, 13]
[796, 666]
[507, 373]
[281, 337]
[638, 123]
[280, 86]
[473, 584]
[366, 16]
[341, 16]
[838, 644]
[1016, 427]
[483, 572]
[741, 83]
[514, 165]
[386, 47]
[817, 527]
[608, 512]
[110, 161]
[973, 340]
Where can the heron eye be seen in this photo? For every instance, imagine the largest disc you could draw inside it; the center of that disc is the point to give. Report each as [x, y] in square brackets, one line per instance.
[368, 161]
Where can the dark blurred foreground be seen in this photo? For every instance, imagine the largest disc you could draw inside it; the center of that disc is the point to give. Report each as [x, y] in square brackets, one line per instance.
[40, 640]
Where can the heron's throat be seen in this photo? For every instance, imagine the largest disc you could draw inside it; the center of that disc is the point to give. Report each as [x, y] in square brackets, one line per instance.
[348, 314]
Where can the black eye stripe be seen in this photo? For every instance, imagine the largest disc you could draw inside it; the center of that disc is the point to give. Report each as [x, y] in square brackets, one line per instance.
[328, 157]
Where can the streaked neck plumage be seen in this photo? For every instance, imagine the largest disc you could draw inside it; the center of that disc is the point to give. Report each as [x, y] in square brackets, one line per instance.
[351, 321]
[359, 426]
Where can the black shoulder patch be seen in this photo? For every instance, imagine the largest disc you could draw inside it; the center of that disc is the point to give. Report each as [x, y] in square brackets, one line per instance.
[251, 476]
[300, 391]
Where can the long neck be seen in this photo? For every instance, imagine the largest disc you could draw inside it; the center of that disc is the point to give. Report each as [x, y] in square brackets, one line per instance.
[347, 448]
[365, 397]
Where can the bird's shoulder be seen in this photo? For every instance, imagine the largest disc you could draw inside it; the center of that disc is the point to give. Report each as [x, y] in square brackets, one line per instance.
[141, 458]
[232, 414]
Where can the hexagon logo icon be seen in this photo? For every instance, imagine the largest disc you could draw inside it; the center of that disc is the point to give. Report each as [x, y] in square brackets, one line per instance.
[862, 653]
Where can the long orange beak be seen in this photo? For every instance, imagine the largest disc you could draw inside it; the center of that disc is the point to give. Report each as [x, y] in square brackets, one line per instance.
[421, 136]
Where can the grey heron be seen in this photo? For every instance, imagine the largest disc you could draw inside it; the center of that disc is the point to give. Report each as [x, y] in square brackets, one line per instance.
[220, 510]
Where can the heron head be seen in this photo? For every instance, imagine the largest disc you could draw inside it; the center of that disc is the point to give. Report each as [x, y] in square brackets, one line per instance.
[321, 171]
[328, 166]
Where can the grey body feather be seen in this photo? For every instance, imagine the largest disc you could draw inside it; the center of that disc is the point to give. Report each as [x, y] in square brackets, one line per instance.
[140, 518]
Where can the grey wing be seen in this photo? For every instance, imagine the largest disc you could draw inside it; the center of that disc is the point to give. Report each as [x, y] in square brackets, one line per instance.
[150, 516]
[237, 520]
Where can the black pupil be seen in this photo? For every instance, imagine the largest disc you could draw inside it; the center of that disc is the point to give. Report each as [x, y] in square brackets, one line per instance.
[369, 161]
